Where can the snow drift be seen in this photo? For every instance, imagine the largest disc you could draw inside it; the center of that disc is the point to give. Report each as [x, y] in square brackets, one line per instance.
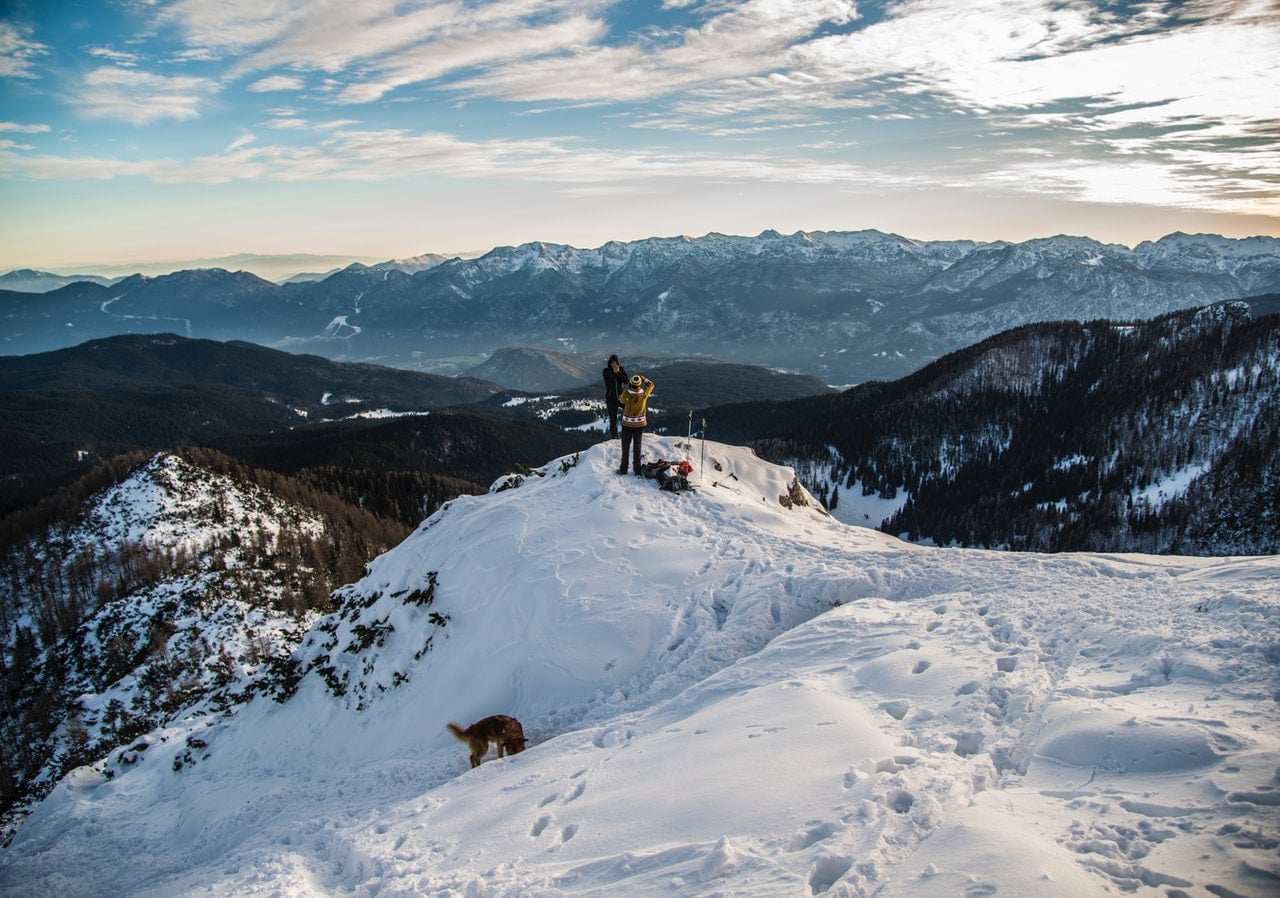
[726, 692]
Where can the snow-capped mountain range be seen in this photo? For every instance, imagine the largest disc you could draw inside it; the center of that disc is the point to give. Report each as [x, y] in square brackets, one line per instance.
[725, 692]
[843, 306]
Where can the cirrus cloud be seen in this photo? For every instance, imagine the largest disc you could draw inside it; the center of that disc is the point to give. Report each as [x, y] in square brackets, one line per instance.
[1156, 103]
[18, 51]
[141, 97]
[277, 83]
[18, 128]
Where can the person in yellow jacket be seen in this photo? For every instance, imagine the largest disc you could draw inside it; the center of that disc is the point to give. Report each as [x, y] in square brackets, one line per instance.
[635, 400]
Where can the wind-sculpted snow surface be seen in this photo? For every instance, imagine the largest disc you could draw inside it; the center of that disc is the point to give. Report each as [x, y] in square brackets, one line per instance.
[724, 695]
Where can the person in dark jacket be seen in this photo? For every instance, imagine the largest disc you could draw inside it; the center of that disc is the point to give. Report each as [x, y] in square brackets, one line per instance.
[635, 401]
[615, 381]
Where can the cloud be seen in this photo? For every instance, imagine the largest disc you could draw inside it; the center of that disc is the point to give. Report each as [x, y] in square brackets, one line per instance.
[754, 38]
[462, 51]
[1172, 183]
[233, 25]
[63, 168]
[347, 152]
[767, 60]
[372, 155]
[118, 57]
[371, 36]
[141, 97]
[17, 128]
[983, 55]
[1181, 87]
[1096, 102]
[18, 51]
[277, 82]
[519, 50]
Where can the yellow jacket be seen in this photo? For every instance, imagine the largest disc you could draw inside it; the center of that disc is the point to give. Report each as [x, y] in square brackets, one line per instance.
[634, 401]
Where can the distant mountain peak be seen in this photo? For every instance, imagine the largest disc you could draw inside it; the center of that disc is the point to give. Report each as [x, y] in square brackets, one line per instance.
[30, 280]
[846, 306]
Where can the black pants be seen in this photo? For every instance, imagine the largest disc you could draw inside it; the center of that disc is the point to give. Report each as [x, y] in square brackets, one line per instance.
[631, 437]
[614, 412]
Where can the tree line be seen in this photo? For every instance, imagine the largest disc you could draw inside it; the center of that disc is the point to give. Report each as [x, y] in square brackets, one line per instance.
[1060, 437]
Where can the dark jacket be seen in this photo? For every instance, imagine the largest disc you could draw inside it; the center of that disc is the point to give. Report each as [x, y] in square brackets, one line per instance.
[614, 384]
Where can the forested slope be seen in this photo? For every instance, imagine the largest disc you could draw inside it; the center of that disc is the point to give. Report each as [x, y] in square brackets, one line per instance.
[1155, 436]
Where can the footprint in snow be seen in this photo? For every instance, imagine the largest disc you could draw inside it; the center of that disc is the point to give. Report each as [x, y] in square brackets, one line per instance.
[827, 872]
[815, 832]
[900, 800]
[896, 708]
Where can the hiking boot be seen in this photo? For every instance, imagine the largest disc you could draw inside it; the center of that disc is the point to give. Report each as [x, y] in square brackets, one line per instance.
[624, 470]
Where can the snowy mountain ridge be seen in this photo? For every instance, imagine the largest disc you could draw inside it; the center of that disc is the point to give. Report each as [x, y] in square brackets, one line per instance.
[1201, 253]
[393, 591]
[170, 503]
[726, 692]
[843, 306]
[174, 593]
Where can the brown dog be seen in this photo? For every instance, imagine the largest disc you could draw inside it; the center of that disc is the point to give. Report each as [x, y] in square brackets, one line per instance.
[503, 731]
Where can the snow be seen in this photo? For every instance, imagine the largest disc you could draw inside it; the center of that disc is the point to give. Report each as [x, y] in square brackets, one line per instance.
[211, 636]
[723, 696]
[385, 413]
[170, 503]
[869, 510]
[516, 401]
[328, 398]
[1176, 484]
[340, 327]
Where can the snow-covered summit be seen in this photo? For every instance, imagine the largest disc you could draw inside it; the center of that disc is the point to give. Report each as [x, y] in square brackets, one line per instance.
[582, 590]
[726, 692]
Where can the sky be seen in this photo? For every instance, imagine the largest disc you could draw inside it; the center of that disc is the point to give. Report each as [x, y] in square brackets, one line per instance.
[143, 130]
[722, 696]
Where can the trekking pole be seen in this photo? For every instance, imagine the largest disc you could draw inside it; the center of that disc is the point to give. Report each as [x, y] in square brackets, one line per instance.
[702, 462]
[688, 440]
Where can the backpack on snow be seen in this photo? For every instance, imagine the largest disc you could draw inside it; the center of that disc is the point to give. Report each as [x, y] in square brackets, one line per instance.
[671, 476]
[650, 469]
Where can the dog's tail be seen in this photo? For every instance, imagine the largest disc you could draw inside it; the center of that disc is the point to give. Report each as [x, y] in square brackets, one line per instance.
[458, 732]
